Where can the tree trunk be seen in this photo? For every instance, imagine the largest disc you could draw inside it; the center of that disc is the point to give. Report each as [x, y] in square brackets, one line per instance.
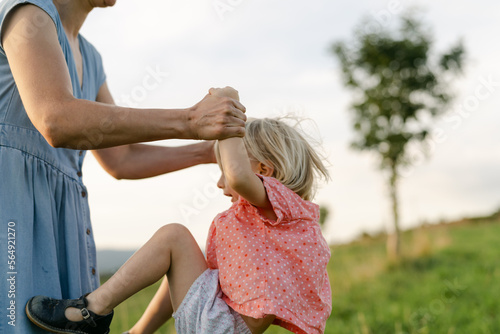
[393, 242]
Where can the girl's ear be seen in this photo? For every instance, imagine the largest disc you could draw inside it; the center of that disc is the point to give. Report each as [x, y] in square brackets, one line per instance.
[265, 169]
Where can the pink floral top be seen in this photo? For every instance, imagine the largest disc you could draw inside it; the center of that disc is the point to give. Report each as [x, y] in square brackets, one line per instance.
[273, 267]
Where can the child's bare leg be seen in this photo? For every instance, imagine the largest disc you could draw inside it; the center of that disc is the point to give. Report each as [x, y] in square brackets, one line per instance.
[157, 313]
[171, 249]
[186, 266]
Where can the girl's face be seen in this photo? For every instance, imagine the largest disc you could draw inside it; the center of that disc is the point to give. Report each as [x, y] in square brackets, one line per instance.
[228, 191]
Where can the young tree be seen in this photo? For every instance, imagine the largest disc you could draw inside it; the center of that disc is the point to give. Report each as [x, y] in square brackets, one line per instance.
[399, 85]
[323, 215]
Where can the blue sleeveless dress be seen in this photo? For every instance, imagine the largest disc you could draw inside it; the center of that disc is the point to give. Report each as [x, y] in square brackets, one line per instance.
[46, 241]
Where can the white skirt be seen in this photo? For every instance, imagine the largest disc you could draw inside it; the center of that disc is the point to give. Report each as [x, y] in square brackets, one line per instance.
[203, 311]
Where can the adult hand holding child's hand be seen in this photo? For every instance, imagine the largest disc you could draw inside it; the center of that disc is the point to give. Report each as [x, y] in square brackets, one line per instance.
[219, 115]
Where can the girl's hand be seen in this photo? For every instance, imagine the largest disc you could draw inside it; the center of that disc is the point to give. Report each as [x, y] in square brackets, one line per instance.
[225, 92]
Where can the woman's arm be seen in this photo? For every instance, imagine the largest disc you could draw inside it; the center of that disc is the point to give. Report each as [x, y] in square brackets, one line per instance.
[137, 161]
[40, 71]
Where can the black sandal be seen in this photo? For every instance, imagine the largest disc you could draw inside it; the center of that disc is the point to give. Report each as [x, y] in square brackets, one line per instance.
[48, 314]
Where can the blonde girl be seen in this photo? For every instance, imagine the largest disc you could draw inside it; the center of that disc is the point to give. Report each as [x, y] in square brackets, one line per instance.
[265, 259]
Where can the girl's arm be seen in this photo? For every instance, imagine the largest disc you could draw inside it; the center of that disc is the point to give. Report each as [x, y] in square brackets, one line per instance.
[236, 164]
[41, 75]
[238, 172]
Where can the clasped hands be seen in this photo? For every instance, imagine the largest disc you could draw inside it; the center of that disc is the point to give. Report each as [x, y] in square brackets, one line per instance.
[219, 115]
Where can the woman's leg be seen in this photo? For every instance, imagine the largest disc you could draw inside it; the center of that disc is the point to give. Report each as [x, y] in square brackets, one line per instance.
[172, 250]
[157, 313]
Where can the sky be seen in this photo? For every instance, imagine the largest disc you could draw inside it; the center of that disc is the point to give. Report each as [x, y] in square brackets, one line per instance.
[167, 54]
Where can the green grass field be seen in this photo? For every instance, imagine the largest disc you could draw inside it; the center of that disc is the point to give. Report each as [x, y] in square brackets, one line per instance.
[447, 283]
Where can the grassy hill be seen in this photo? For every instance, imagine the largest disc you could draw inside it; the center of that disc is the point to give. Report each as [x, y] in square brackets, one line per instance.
[447, 283]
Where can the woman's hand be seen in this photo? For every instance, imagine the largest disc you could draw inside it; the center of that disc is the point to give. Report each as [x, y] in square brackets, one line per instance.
[217, 116]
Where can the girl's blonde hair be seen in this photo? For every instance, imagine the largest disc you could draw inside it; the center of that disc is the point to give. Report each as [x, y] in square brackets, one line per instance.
[296, 164]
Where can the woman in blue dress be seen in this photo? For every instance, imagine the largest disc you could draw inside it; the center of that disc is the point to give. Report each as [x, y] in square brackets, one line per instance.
[55, 105]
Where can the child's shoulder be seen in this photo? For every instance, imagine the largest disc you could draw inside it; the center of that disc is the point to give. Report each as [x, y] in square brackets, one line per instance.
[274, 185]
[286, 203]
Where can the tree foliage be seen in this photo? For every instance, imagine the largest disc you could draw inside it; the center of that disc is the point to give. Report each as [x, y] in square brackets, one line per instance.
[323, 215]
[399, 87]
